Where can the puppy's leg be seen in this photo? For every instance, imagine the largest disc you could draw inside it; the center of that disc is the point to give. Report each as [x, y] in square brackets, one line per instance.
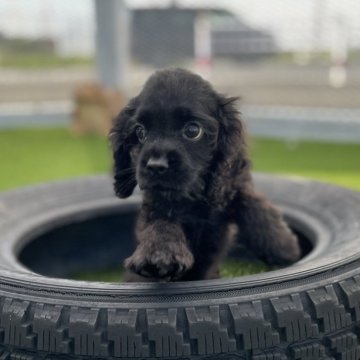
[162, 252]
[262, 228]
[211, 249]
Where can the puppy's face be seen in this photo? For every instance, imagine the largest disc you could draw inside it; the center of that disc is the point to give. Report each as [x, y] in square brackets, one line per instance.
[175, 139]
[166, 138]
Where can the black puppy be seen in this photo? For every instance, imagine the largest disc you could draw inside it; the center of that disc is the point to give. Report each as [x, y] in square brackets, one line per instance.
[184, 144]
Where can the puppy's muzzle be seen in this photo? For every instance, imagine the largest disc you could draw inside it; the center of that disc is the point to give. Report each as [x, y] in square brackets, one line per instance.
[163, 165]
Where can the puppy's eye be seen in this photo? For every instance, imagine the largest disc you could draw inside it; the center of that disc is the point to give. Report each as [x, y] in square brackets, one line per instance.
[193, 131]
[140, 133]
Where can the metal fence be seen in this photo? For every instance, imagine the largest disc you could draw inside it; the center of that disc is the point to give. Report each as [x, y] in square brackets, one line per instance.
[295, 64]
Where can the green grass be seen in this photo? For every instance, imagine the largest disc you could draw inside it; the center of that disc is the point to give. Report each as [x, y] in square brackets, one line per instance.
[32, 156]
[328, 162]
[315, 58]
[115, 274]
[41, 61]
[229, 268]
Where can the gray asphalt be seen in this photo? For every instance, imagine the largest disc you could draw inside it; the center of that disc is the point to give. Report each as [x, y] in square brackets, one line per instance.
[256, 85]
[281, 102]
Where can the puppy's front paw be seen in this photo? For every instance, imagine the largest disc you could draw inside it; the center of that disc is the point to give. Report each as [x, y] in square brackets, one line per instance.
[167, 262]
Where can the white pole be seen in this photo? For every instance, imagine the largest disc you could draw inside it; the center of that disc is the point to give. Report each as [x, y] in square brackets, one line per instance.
[202, 44]
[338, 54]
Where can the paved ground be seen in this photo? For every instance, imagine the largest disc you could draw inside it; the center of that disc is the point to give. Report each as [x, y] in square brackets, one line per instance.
[256, 85]
[286, 102]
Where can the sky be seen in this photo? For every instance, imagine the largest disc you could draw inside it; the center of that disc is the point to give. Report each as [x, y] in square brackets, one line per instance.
[295, 23]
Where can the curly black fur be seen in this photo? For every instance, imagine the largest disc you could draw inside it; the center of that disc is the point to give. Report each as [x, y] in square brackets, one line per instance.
[197, 188]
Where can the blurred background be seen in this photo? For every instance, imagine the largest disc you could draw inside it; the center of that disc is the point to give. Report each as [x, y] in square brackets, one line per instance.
[67, 67]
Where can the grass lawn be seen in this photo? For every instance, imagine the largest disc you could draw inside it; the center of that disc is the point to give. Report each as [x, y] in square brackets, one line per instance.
[333, 163]
[31, 61]
[32, 156]
[230, 268]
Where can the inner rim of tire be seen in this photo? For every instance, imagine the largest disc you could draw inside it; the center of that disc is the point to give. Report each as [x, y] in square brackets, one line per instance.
[100, 240]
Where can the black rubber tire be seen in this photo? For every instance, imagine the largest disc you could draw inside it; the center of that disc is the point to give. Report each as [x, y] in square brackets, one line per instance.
[310, 310]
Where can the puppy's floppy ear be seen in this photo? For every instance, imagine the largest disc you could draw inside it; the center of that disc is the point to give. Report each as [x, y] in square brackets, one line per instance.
[231, 138]
[231, 162]
[122, 138]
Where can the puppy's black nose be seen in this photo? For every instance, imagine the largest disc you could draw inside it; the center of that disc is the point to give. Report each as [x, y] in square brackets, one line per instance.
[158, 165]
